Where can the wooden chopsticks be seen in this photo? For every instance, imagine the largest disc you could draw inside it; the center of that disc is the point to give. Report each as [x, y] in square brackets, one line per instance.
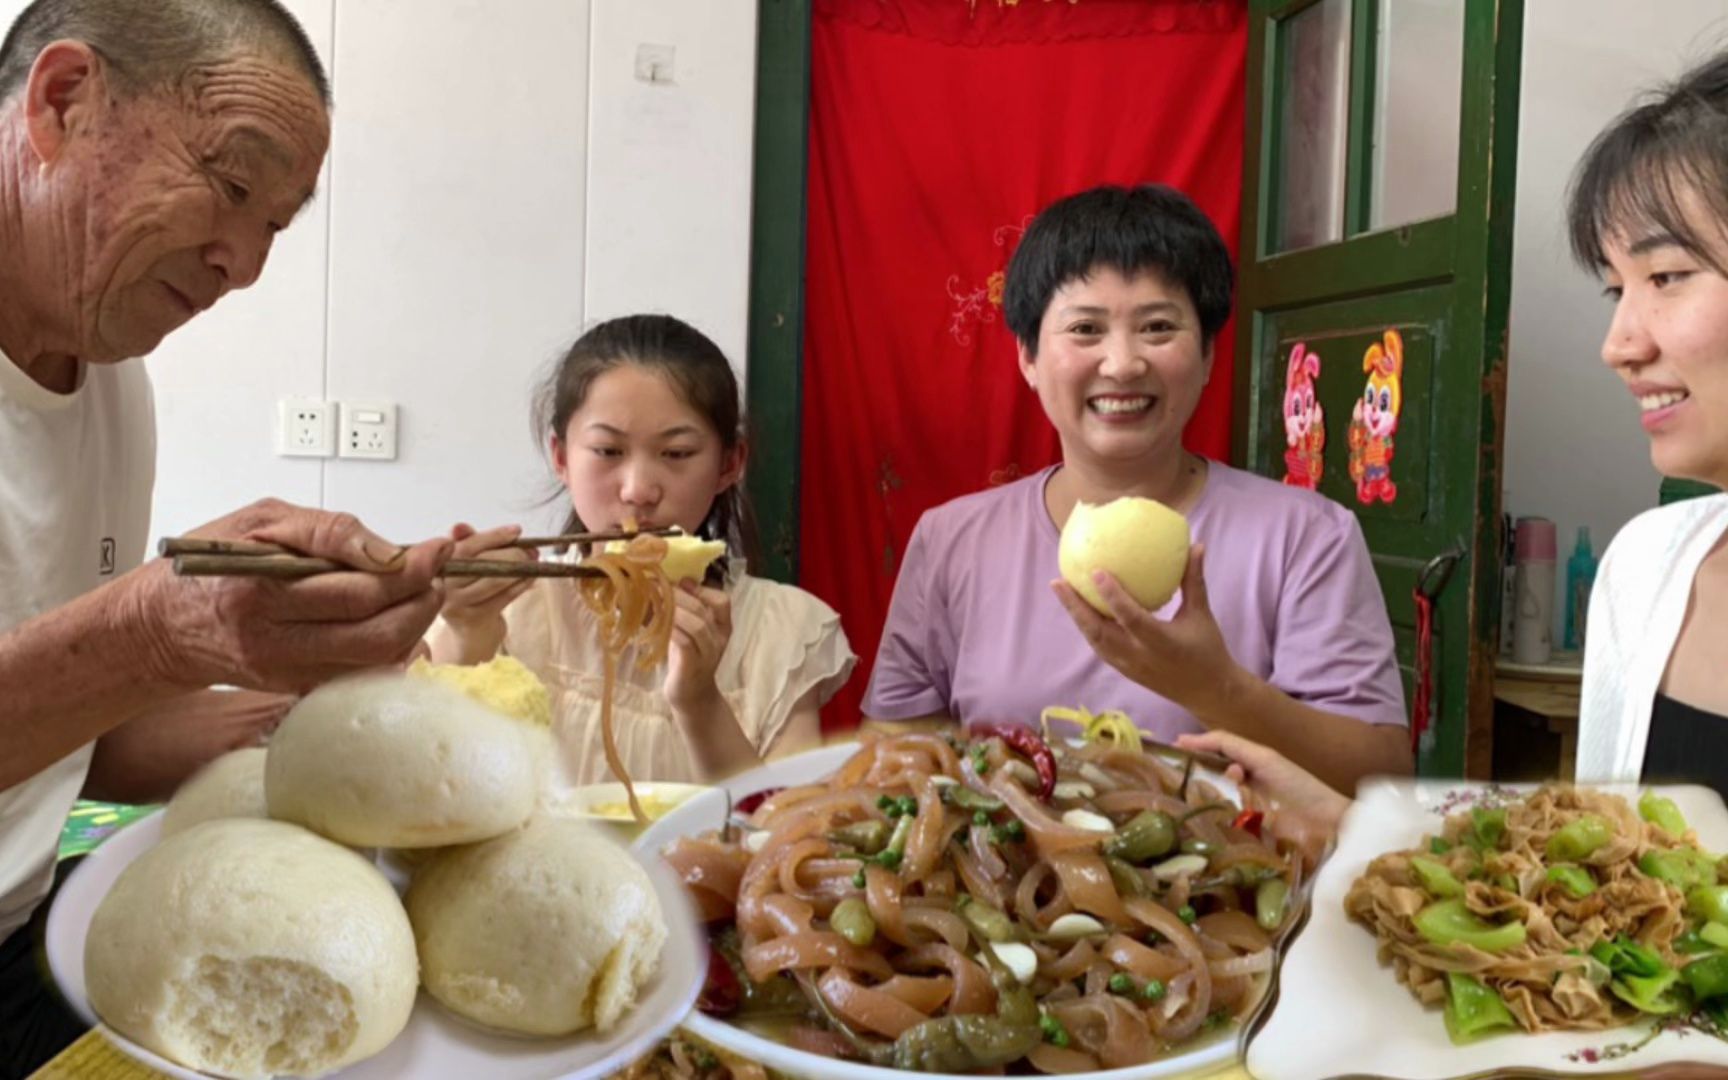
[196, 557]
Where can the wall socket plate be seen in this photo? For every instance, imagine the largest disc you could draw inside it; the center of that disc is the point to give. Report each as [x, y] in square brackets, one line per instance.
[367, 429]
[305, 427]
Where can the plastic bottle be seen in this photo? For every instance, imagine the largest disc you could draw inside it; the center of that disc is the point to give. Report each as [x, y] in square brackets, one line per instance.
[1580, 576]
[1532, 622]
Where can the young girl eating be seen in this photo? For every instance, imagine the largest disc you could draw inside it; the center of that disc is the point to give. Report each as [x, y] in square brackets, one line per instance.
[641, 419]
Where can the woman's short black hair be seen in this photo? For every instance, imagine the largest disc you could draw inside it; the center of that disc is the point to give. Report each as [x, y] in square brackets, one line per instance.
[1644, 172]
[1129, 230]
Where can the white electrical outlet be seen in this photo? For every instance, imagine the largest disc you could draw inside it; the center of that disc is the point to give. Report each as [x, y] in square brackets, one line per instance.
[305, 427]
[367, 430]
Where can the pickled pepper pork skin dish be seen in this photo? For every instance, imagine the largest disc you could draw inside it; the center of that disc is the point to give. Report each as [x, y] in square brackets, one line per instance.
[990, 899]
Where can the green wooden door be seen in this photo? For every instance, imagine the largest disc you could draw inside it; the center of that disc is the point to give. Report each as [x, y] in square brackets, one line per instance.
[1375, 278]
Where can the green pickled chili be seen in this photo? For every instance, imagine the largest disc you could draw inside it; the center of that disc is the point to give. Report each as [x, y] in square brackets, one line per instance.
[1661, 812]
[1574, 879]
[1436, 878]
[1707, 976]
[1449, 922]
[1270, 899]
[1579, 838]
[1473, 1009]
[851, 919]
[1146, 836]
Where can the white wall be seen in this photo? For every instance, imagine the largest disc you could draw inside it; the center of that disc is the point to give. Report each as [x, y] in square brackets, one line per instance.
[669, 165]
[498, 179]
[1574, 450]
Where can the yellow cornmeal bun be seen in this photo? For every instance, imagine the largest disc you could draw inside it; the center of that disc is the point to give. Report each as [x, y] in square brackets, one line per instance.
[252, 948]
[503, 684]
[545, 931]
[231, 786]
[1142, 542]
[387, 760]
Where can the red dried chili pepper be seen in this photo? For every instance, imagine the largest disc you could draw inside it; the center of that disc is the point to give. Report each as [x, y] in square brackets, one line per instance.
[721, 991]
[1024, 741]
[749, 803]
[1249, 822]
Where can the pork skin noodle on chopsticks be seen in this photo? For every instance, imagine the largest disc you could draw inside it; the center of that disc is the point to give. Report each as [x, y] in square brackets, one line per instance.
[1565, 910]
[633, 607]
[987, 900]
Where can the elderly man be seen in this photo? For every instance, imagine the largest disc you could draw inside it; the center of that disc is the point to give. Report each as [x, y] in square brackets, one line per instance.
[150, 150]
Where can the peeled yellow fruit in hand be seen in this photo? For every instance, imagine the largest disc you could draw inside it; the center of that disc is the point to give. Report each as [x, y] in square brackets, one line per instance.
[1142, 542]
[687, 557]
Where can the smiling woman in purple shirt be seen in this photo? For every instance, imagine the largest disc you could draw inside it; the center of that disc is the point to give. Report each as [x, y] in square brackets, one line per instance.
[1279, 634]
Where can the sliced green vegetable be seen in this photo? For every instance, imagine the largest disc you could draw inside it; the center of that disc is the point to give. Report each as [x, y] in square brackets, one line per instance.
[1626, 957]
[1677, 868]
[1487, 829]
[868, 837]
[1691, 943]
[1707, 976]
[1715, 933]
[1649, 993]
[1661, 812]
[1579, 838]
[1435, 878]
[1449, 922]
[1574, 879]
[1438, 845]
[1709, 903]
[1473, 1009]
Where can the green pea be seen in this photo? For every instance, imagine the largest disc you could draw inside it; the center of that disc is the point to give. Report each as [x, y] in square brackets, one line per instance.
[858, 880]
[1187, 913]
[1147, 835]
[980, 818]
[890, 859]
[1121, 984]
[1153, 990]
[852, 920]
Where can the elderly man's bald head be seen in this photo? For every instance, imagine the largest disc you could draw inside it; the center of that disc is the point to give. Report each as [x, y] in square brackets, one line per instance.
[150, 43]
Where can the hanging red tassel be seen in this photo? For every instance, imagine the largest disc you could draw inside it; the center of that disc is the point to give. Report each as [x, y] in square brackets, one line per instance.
[1422, 703]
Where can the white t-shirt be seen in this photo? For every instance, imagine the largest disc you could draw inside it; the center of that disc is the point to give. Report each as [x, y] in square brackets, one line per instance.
[75, 488]
[1636, 610]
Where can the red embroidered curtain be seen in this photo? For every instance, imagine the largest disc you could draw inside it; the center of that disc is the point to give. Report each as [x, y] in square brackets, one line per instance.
[937, 130]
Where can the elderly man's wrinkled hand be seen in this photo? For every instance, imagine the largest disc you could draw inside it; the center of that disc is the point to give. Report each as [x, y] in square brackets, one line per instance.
[470, 601]
[291, 635]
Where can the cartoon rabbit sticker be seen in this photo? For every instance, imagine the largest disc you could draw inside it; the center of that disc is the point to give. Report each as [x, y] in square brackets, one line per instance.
[1374, 420]
[1304, 421]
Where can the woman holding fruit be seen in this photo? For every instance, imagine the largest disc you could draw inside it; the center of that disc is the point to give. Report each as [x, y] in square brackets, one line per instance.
[1116, 297]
